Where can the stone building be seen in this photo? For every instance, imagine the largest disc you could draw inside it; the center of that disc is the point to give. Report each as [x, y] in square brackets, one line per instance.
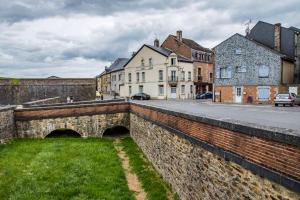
[112, 78]
[281, 39]
[247, 71]
[160, 73]
[202, 59]
[117, 75]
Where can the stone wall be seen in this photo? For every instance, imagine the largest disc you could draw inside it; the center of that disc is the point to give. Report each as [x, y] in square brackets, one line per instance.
[18, 91]
[90, 120]
[86, 126]
[7, 124]
[203, 161]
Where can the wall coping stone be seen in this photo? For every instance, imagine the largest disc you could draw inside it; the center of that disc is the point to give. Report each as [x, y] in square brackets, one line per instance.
[286, 136]
[6, 108]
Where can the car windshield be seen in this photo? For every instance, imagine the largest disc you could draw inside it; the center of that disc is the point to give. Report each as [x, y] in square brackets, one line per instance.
[282, 95]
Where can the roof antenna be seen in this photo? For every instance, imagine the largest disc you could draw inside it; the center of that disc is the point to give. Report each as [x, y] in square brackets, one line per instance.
[247, 24]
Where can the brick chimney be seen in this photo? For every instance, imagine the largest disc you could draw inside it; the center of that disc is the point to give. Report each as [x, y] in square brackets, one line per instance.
[179, 35]
[156, 42]
[277, 37]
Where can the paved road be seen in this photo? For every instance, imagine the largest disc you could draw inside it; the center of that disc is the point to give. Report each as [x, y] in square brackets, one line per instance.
[263, 115]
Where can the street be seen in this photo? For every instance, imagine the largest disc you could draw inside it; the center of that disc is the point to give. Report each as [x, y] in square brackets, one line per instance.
[266, 116]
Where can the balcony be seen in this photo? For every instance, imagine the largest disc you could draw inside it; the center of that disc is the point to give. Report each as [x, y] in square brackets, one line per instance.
[172, 80]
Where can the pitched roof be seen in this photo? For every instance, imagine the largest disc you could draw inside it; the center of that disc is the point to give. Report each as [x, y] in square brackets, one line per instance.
[161, 50]
[167, 52]
[118, 64]
[259, 44]
[192, 44]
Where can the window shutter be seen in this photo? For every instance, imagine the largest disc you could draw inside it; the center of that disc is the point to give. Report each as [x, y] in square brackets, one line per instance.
[229, 72]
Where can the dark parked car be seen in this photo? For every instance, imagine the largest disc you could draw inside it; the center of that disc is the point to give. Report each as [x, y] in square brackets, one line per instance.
[206, 95]
[140, 96]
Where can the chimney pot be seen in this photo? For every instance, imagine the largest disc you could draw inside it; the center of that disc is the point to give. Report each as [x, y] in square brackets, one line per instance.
[179, 35]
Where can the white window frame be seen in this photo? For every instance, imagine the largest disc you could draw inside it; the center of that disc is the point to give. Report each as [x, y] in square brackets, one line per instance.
[161, 90]
[182, 89]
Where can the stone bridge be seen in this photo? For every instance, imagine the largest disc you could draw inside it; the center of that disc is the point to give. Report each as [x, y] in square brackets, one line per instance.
[89, 120]
[200, 157]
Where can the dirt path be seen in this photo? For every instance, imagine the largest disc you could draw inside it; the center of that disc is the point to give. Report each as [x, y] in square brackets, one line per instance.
[132, 180]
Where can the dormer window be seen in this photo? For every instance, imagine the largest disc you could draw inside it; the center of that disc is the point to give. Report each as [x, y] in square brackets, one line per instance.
[173, 61]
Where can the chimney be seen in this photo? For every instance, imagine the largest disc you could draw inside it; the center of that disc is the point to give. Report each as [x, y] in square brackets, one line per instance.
[156, 42]
[277, 37]
[179, 35]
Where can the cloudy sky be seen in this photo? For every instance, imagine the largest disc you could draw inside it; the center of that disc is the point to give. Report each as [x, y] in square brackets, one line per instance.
[77, 38]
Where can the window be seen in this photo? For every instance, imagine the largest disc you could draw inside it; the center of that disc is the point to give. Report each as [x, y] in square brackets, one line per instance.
[161, 90]
[143, 76]
[183, 76]
[137, 77]
[114, 78]
[210, 76]
[129, 77]
[189, 76]
[239, 91]
[238, 51]
[150, 62]
[191, 89]
[141, 89]
[173, 61]
[263, 93]
[263, 71]
[142, 62]
[130, 91]
[160, 75]
[120, 77]
[240, 69]
[208, 58]
[182, 89]
[225, 72]
[173, 75]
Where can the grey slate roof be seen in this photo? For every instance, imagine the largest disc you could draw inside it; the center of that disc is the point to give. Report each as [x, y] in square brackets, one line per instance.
[167, 52]
[263, 33]
[118, 64]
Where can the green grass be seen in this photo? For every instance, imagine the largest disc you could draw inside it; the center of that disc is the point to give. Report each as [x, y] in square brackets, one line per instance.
[61, 168]
[152, 183]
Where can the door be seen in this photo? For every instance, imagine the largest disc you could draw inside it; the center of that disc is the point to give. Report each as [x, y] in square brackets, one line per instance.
[173, 92]
[238, 95]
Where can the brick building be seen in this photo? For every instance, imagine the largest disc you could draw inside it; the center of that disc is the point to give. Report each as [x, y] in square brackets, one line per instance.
[247, 71]
[202, 59]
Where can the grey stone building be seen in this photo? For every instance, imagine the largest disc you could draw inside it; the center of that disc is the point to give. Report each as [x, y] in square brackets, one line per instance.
[247, 71]
[117, 74]
[282, 39]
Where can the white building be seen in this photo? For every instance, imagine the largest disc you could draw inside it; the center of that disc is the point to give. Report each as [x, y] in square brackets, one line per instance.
[117, 75]
[160, 73]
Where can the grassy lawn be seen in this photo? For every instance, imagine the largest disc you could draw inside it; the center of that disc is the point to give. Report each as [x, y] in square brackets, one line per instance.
[61, 168]
[152, 183]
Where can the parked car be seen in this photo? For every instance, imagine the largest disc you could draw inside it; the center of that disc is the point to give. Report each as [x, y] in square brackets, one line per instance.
[206, 95]
[140, 96]
[290, 99]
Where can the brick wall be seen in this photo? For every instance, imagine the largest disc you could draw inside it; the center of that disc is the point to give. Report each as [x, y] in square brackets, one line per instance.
[278, 157]
[225, 94]
[7, 124]
[197, 173]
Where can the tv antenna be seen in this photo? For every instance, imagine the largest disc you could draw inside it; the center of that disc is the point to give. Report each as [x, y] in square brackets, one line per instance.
[247, 24]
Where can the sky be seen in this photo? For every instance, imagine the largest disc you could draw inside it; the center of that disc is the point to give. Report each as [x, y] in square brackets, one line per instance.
[78, 38]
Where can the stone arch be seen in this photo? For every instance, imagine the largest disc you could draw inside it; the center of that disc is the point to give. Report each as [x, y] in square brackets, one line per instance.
[63, 132]
[115, 131]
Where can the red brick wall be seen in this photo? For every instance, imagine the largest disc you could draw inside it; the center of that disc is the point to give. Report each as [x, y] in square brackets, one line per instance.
[71, 110]
[275, 155]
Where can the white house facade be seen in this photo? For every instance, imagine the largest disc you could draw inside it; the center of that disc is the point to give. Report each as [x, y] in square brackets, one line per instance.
[160, 73]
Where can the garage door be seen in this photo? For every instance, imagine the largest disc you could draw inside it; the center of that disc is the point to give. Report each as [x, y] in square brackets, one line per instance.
[263, 93]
